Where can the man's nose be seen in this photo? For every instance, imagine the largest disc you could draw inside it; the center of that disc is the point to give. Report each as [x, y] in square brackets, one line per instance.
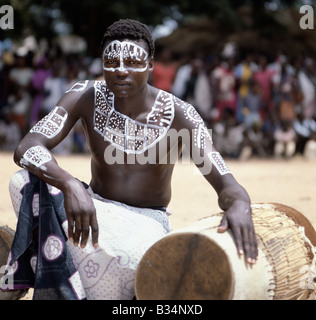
[122, 71]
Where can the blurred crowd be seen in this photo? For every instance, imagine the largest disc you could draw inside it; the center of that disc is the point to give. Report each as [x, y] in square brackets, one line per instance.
[31, 83]
[255, 104]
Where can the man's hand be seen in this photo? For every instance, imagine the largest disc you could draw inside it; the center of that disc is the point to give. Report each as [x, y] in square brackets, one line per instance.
[81, 214]
[238, 219]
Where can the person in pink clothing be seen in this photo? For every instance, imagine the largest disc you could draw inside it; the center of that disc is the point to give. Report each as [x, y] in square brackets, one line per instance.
[225, 87]
[164, 73]
[263, 77]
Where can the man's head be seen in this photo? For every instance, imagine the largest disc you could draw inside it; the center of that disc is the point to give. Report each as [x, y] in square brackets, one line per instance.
[127, 57]
[129, 29]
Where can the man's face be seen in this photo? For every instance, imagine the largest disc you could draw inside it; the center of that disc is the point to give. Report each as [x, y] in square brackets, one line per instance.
[126, 65]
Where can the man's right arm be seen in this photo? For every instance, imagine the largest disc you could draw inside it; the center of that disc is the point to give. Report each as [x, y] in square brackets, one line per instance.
[33, 154]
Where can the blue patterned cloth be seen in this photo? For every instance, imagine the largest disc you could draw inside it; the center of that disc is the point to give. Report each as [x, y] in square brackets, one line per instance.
[39, 255]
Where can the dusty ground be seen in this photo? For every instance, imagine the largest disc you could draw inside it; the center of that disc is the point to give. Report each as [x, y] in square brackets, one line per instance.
[290, 182]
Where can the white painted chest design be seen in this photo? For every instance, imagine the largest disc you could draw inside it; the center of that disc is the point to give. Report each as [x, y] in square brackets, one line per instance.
[127, 134]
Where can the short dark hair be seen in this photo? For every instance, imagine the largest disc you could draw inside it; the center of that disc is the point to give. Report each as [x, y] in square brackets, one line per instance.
[129, 29]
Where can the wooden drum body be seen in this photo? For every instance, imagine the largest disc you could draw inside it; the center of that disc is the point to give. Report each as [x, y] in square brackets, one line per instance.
[199, 263]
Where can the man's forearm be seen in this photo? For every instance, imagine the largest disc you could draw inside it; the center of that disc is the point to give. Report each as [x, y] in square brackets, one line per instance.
[41, 162]
[79, 207]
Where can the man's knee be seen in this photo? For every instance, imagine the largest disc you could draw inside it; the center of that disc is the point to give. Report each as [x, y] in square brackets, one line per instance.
[16, 184]
[18, 181]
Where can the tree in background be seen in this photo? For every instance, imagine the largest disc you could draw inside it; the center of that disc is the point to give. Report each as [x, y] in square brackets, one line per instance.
[90, 18]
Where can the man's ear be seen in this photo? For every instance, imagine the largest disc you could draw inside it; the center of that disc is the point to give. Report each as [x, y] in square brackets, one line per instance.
[151, 64]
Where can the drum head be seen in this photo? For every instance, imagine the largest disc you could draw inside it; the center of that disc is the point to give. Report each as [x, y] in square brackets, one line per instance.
[186, 266]
[6, 239]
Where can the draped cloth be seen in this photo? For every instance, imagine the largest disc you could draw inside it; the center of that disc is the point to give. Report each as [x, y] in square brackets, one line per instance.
[42, 257]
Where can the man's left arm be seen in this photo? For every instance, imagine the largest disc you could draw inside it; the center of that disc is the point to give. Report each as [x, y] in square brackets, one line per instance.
[233, 199]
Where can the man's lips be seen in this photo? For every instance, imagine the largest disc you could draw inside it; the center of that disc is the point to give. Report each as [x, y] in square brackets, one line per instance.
[122, 84]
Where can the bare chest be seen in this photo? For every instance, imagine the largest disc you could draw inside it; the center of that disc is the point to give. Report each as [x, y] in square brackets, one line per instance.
[126, 134]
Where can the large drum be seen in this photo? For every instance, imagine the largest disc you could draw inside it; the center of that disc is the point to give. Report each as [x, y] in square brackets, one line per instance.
[197, 262]
[6, 239]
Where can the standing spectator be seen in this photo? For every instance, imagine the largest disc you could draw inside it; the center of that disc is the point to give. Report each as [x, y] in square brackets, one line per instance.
[55, 86]
[196, 89]
[305, 79]
[20, 84]
[289, 95]
[182, 76]
[164, 72]
[279, 67]
[224, 87]
[41, 73]
[253, 105]
[263, 76]
[66, 146]
[10, 134]
[243, 72]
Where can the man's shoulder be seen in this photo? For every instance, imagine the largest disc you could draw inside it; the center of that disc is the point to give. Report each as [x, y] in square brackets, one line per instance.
[172, 101]
[80, 94]
[83, 90]
[185, 113]
[180, 104]
[81, 86]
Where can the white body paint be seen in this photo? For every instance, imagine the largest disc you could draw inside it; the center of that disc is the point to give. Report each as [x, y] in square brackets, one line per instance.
[122, 53]
[218, 161]
[201, 134]
[51, 124]
[79, 86]
[37, 156]
[125, 133]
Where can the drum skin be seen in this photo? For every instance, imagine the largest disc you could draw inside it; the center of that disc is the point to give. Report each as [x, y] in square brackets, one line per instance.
[188, 280]
[197, 262]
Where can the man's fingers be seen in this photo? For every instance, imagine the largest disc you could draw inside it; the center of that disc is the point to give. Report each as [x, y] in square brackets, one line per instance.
[78, 230]
[248, 245]
[236, 234]
[238, 240]
[84, 237]
[94, 231]
[251, 248]
[71, 230]
[84, 231]
[223, 225]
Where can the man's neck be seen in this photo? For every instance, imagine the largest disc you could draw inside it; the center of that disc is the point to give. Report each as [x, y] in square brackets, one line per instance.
[132, 106]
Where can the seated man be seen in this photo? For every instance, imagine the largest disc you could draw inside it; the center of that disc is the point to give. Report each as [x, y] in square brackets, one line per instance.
[133, 133]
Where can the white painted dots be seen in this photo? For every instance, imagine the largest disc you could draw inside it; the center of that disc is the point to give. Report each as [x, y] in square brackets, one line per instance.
[51, 124]
[200, 133]
[218, 161]
[36, 155]
[127, 134]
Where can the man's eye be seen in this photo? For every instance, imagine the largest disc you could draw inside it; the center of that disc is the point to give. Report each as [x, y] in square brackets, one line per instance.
[135, 63]
[110, 62]
[132, 62]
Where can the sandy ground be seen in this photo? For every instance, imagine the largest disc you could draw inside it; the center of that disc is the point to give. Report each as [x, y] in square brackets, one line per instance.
[290, 182]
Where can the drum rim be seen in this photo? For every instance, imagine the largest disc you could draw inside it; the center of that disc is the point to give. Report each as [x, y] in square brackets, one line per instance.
[299, 219]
